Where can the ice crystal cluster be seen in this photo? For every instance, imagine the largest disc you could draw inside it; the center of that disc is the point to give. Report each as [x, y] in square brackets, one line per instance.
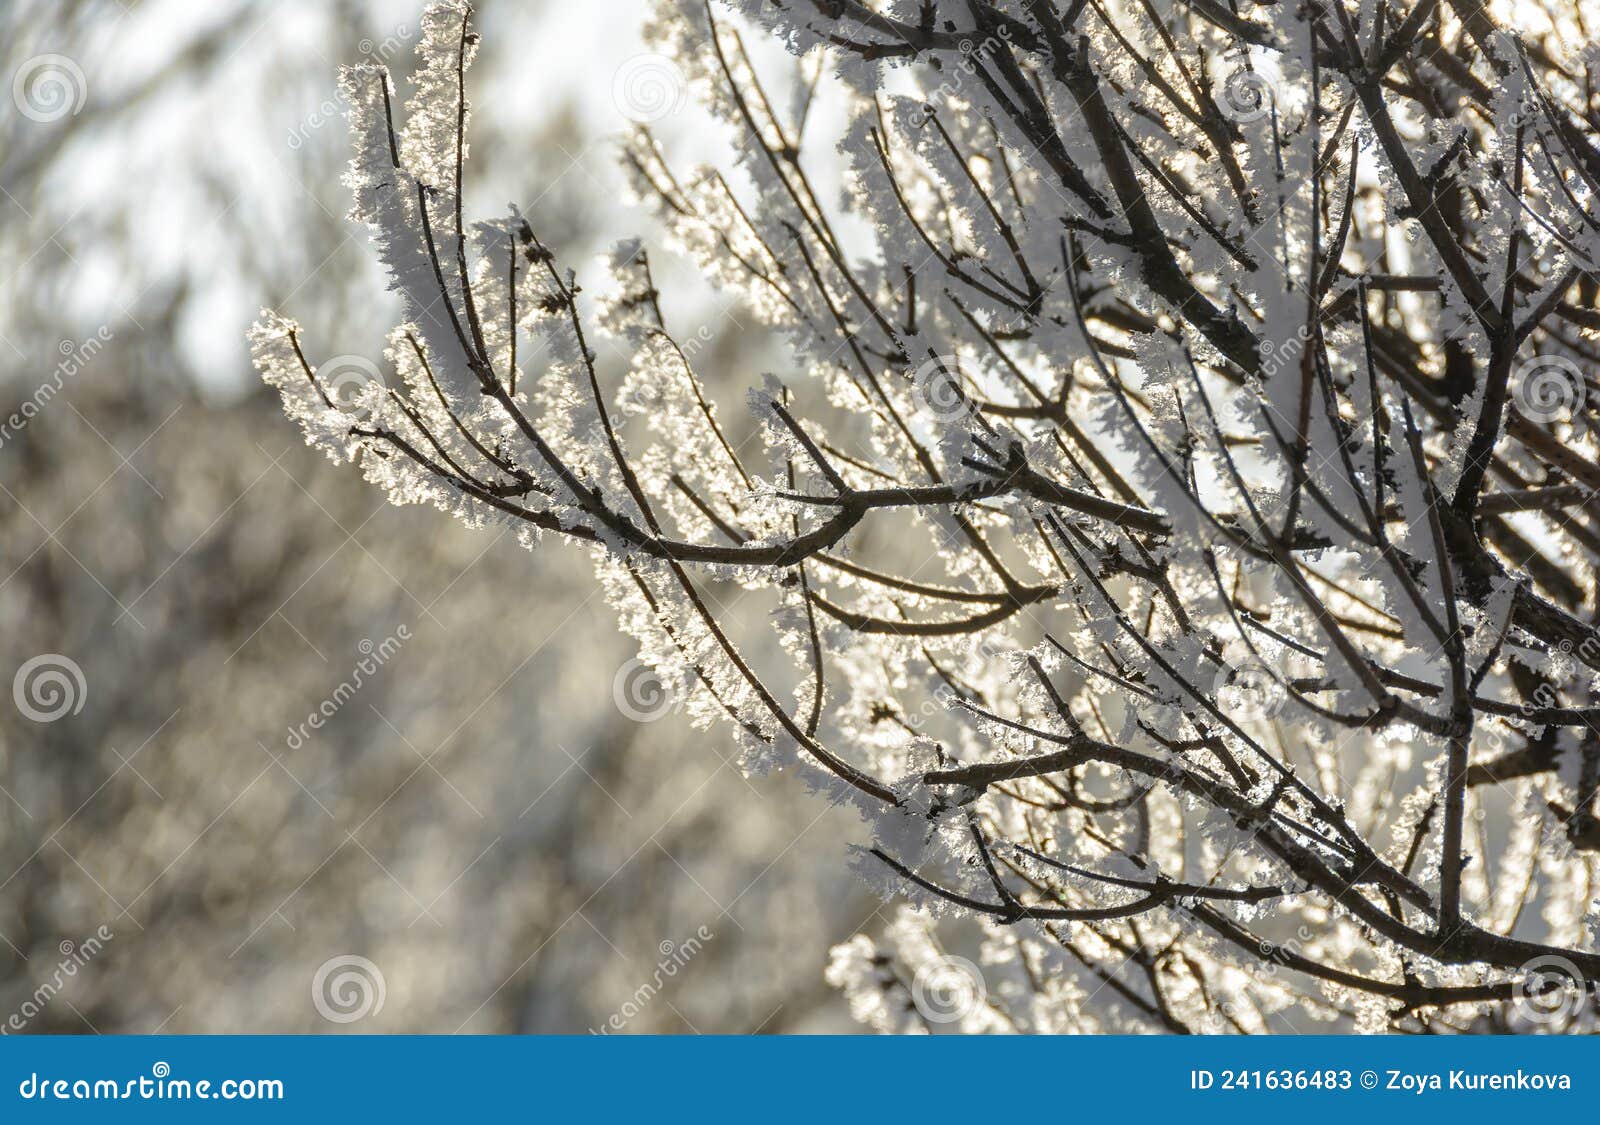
[1175, 507]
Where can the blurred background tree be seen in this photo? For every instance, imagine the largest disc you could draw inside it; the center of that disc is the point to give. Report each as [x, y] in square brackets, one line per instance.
[508, 852]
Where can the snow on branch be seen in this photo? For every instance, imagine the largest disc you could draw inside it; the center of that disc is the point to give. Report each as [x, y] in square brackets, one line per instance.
[1177, 514]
